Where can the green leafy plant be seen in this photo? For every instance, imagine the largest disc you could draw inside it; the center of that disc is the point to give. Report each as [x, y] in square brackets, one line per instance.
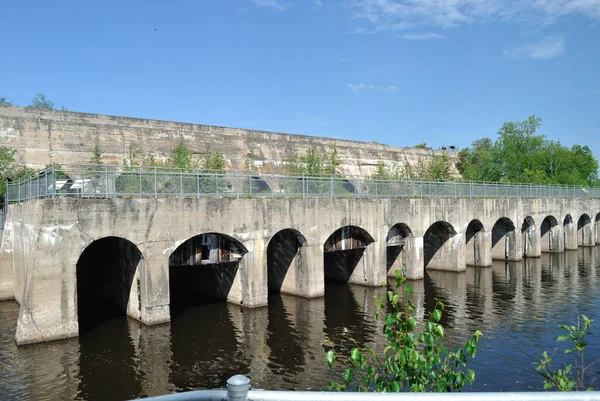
[412, 361]
[573, 376]
[40, 101]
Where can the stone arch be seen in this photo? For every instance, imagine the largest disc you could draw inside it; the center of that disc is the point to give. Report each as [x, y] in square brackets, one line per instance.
[584, 231]
[475, 241]
[530, 238]
[443, 248]
[344, 252]
[108, 283]
[284, 261]
[399, 243]
[203, 268]
[551, 239]
[569, 233]
[505, 245]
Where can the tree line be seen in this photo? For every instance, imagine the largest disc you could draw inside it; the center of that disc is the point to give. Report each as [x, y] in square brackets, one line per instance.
[40, 101]
[521, 154]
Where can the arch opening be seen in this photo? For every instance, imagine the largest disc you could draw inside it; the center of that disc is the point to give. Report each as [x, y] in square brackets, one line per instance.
[530, 242]
[597, 229]
[504, 240]
[438, 252]
[585, 231]
[284, 260]
[343, 251]
[474, 241]
[203, 269]
[397, 248]
[569, 233]
[106, 271]
[550, 235]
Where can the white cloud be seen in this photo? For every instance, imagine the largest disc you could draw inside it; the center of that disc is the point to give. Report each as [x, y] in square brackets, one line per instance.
[360, 87]
[346, 60]
[318, 3]
[395, 15]
[422, 36]
[549, 47]
[271, 3]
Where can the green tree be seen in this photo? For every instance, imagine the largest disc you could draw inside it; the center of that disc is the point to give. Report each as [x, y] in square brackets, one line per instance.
[439, 167]
[10, 169]
[333, 162]
[40, 101]
[413, 361]
[521, 154]
[182, 156]
[213, 160]
[96, 156]
[5, 102]
[381, 172]
[575, 376]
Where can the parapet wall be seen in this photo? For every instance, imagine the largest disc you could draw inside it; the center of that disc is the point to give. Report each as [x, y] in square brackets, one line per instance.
[41, 137]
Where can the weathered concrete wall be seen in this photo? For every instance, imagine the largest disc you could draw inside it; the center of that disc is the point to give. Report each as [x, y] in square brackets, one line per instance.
[49, 236]
[42, 137]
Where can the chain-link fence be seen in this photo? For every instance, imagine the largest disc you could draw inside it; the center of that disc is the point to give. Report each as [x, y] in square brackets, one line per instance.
[100, 181]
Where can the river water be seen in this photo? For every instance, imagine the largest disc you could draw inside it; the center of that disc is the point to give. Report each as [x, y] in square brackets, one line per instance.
[517, 305]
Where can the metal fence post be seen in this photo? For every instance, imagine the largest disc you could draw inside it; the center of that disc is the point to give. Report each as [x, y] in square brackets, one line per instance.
[155, 185]
[140, 178]
[237, 388]
[53, 180]
[331, 185]
[181, 184]
[237, 184]
[106, 179]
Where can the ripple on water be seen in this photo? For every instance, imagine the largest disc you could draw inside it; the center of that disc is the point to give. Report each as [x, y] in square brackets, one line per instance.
[518, 306]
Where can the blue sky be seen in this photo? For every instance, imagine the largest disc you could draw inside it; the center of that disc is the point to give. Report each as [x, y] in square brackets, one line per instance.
[390, 71]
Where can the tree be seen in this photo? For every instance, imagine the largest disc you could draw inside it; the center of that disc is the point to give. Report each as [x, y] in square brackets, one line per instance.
[439, 168]
[182, 156]
[213, 160]
[417, 362]
[520, 154]
[575, 376]
[40, 101]
[5, 102]
[10, 169]
[381, 172]
[96, 156]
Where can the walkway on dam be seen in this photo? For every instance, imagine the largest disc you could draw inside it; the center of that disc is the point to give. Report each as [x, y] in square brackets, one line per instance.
[72, 254]
[119, 181]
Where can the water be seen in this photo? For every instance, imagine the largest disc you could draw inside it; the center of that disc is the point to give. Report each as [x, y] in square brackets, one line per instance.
[517, 306]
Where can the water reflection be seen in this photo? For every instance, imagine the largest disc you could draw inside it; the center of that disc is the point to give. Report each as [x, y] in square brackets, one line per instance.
[518, 306]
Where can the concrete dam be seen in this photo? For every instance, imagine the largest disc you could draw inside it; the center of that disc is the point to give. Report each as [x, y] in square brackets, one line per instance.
[41, 137]
[69, 260]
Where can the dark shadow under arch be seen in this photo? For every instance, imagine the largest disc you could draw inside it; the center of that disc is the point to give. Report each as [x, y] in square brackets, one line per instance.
[343, 250]
[281, 252]
[584, 230]
[473, 228]
[472, 242]
[528, 223]
[527, 235]
[435, 237]
[202, 269]
[105, 272]
[396, 244]
[547, 224]
[583, 220]
[503, 226]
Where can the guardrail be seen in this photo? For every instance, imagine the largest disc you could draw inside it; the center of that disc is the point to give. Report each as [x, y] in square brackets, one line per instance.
[116, 181]
[238, 389]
